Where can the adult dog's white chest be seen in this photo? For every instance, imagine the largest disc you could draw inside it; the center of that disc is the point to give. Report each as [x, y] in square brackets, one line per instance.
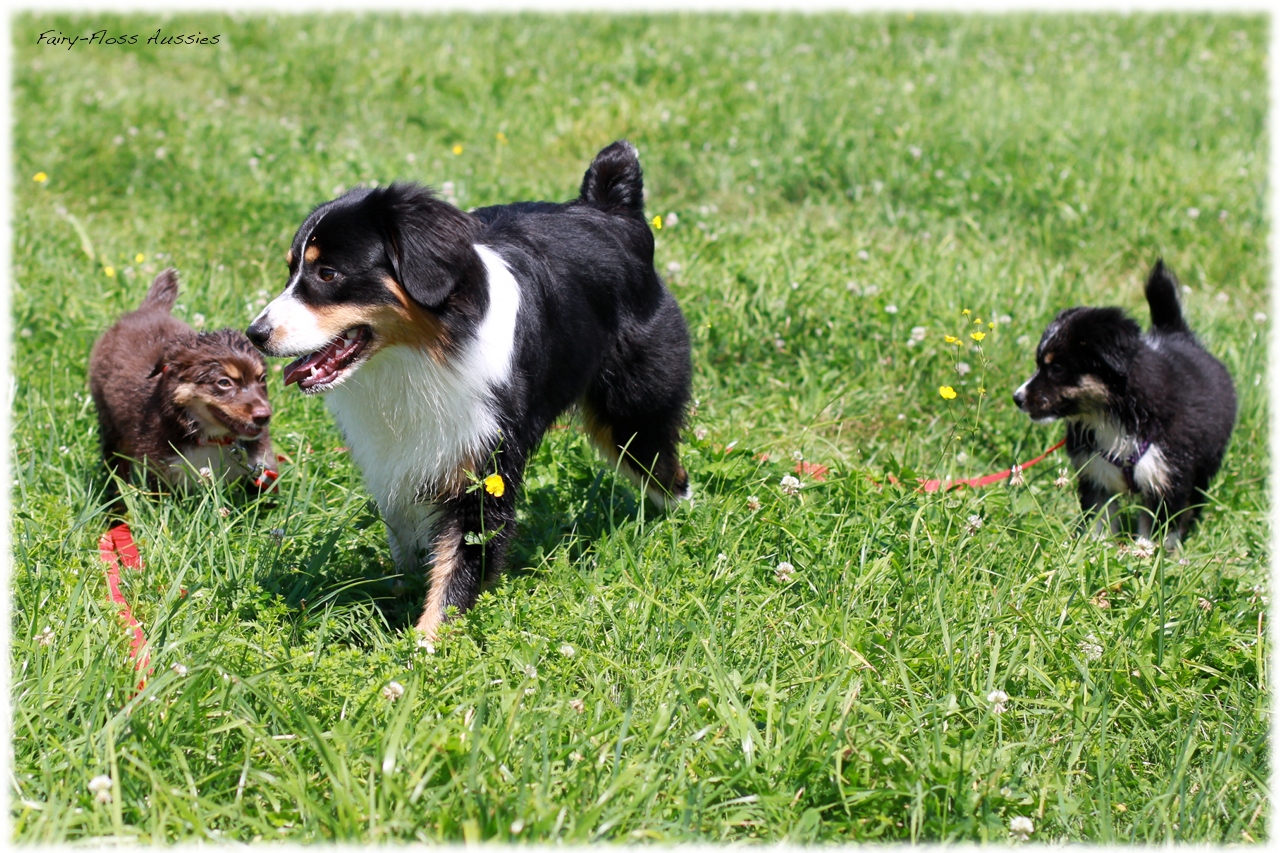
[411, 421]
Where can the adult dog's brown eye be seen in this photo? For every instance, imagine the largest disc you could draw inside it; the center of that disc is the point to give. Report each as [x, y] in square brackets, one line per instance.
[327, 274]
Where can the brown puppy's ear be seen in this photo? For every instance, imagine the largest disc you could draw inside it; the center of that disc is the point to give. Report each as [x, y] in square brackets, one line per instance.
[429, 242]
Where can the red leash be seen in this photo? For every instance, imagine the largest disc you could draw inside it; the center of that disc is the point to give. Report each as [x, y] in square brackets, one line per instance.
[977, 482]
[115, 547]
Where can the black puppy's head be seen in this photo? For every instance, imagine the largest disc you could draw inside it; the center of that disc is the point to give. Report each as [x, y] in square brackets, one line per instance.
[1082, 365]
[374, 267]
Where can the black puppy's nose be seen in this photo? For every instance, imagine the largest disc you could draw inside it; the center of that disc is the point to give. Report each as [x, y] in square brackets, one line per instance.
[258, 333]
[1019, 398]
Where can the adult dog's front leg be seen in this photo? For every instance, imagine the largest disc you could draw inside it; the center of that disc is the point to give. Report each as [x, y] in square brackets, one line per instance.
[469, 542]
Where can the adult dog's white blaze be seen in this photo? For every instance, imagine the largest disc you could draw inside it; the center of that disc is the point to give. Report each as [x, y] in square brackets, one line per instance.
[294, 327]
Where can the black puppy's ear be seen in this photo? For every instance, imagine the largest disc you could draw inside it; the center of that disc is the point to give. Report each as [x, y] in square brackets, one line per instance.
[430, 243]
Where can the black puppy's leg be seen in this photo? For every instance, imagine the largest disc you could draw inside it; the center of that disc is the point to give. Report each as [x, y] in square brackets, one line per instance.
[469, 546]
[1173, 514]
[1096, 505]
[635, 408]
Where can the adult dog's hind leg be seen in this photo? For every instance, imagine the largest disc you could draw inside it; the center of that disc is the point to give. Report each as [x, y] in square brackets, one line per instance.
[635, 408]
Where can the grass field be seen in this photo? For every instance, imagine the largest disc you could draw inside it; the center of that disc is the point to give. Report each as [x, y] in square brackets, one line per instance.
[836, 190]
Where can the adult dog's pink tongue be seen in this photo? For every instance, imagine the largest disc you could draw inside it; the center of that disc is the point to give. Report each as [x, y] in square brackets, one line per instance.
[297, 370]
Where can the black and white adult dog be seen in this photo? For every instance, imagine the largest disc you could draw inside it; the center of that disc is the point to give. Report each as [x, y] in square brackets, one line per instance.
[447, 343]
[1148, 414]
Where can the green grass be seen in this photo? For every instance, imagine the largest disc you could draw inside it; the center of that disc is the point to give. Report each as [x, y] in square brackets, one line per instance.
[837, 181]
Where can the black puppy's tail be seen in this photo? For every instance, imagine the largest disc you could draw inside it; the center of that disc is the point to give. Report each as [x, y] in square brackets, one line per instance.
[614, 181]
[1162, 297]
[163, 292]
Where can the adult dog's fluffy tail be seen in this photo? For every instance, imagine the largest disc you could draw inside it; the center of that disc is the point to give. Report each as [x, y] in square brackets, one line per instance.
[614, 180]
[163, 292]
[1162, 297]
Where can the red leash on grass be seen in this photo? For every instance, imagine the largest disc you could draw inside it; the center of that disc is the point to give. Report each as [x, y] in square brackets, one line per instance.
[931, 486]
[115, 547]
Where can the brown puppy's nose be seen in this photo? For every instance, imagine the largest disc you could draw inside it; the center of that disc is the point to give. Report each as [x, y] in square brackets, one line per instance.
[261, 415]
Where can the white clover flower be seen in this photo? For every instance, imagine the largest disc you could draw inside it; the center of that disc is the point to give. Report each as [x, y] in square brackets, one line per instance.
[1143, 548]
[578, 705]
[673, 268]
[783, 571]
[393, 691]
[864, 255]
[100, 786]
[1064, 478]
[797, 455]
[1091, 647]
[973, 524]
[790, 485]
[963, 368]
[1015, 476]
[1259, 317]
[568, 650]
[206, 472]
[1193, 212]
[531, 671]
[891, 309]
[45, 637]
[918, 333]
[670, 220]
[753, 503]
[179, 669]
[1204, 604]
[1021, 828]
[700, 433]
[998, 700]
[915, 151]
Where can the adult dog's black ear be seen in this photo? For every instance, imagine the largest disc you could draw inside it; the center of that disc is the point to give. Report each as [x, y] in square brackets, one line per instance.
[430, 243]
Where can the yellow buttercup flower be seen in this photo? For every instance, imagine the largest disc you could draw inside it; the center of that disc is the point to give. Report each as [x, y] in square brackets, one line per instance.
[951, 339]
[457, 149]
[947, 392]
[978, 336]
[110, 271]
[965, 312]
[991, 326]
[139, 258]
[40, 177]
[502, 138]
[494, 485]
[657, 223]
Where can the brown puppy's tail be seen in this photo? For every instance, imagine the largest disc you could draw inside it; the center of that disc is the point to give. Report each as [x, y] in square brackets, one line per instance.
[163, 292]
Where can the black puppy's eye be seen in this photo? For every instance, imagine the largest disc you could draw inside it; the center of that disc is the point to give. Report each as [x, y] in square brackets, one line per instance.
[327, 274]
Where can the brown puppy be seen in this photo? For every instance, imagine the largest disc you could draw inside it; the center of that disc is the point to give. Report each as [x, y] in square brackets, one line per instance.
[185, 403]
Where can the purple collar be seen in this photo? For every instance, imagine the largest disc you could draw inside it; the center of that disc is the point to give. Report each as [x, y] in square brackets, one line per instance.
[1127, 463]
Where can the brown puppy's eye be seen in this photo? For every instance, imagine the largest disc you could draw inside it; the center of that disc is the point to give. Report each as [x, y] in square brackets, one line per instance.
[224, 383]
[327, 274]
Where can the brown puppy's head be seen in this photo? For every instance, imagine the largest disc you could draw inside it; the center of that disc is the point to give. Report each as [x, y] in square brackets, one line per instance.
[219, 380]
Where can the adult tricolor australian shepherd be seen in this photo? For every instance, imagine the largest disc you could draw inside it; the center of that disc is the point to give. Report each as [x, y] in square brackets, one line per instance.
[447, 342]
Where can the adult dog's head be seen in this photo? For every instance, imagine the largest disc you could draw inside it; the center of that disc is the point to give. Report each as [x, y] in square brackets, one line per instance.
[370, 269]
[1082, 365]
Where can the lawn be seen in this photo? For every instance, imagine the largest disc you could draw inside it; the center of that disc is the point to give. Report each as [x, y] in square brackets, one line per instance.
[856, 661]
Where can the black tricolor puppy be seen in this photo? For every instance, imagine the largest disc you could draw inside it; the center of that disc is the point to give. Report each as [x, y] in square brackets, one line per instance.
[447, 342]
[1149, 414]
